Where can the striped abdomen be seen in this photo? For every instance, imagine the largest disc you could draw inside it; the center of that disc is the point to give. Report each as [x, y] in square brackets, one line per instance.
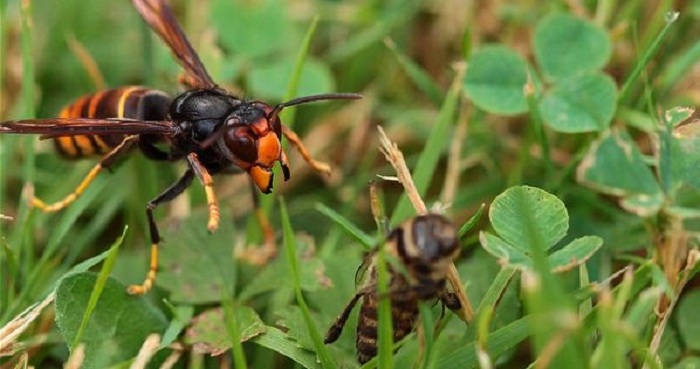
[124, 102]
[404, 312]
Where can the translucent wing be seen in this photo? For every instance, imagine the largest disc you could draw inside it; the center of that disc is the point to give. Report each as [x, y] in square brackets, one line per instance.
[57, 127]
[159, 17]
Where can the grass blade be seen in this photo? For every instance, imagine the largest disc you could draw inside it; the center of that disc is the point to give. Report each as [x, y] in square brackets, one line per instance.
[291, 250]
[425, 168]
[426, 316]
[99, 286]
[466, 227]
[381, 28]
[671, 18]
[496, 289]
[239, 360]
[417, 74]
[499, 342]
[288, 115]
[365, 240]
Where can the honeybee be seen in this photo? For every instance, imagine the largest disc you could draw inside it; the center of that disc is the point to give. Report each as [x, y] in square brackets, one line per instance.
[424, 248]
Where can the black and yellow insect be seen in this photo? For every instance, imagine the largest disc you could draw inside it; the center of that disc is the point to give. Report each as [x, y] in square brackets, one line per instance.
[424, 248]
[213, 131]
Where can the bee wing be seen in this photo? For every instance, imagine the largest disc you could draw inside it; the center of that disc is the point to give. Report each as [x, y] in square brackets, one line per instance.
[57, 127]
[159, 17]
[361, 273]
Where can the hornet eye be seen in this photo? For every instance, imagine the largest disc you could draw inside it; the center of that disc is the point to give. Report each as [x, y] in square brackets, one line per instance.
[242, 144]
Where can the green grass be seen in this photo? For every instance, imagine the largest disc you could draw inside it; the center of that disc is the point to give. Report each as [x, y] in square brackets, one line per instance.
[622, 162]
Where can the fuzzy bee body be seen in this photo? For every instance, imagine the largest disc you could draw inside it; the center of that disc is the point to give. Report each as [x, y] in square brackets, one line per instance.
[424, 247]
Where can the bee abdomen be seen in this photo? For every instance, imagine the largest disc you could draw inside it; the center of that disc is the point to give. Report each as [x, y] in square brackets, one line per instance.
[403, 316]
[125, 102]
[366, 337]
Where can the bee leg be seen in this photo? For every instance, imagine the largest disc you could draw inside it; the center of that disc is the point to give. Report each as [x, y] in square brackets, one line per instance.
[260, 256]
[451, 300]
[318, 166]
[104, 163]
[208, 183]
[170, 193]
[337, 328]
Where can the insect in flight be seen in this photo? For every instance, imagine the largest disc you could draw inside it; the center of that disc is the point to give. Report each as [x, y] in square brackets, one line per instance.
[424, 247]
[213, 131]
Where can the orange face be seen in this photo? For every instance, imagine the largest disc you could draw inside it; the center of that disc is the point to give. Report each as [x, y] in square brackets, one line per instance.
[256, 146]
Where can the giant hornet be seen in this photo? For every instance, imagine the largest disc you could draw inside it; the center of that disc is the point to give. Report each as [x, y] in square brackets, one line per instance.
[424, 248]
[215, 132]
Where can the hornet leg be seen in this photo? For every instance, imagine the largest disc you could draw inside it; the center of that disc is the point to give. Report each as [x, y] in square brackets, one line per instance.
[208, 183]
[170, 193]
[105, 162]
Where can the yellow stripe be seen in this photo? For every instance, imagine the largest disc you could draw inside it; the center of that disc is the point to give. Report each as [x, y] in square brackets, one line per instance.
[67, 146]
[85, 145]
[122, 100]
[65, 112]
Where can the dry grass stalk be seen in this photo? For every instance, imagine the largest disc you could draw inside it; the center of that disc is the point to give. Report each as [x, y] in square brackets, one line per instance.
[173, 358]
[148, 349]
[76, 359]
[13, 329]
[691, 261]
[396, 159]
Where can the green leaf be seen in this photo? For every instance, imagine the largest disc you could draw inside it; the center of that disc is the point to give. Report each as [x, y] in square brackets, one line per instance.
[238, 24]
[265, 79]
[506, 253]
[276, 340]
[678, 115]
[208, 335]
[687, 318]
[292, 320]
[119, 323]
[583, 103]
[685, 155]
[570, 256]
[565, 45]
[495, 79]
[575, 253]
[643, 204]
[528, 217]
[196, 265]
[613, 154]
